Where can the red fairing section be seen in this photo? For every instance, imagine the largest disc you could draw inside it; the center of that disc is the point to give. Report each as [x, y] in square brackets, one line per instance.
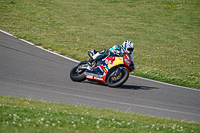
[96, 79]
[110, 60]
[128, 59]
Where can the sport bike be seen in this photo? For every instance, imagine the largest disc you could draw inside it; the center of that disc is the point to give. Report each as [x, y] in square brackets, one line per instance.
[111, 69]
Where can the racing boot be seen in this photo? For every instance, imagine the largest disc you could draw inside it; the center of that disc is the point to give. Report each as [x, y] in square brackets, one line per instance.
[91, 63]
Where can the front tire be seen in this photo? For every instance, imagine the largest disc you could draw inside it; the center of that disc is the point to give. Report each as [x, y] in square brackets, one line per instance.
[118, 80]
[78, 75]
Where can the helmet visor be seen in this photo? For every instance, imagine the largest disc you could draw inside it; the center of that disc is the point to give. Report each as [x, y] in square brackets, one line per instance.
[130, 49]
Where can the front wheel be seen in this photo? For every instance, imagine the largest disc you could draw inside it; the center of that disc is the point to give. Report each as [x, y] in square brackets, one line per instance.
[76, 74]
[114, 80]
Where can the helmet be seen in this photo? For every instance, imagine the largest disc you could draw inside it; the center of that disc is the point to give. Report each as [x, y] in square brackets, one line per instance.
[128, 46]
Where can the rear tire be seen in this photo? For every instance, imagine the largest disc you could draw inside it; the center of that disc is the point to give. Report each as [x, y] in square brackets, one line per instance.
[120, 79]
[78, 75]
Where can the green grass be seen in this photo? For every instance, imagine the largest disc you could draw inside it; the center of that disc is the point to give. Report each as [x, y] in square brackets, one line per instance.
[166, 33]
[26, 115]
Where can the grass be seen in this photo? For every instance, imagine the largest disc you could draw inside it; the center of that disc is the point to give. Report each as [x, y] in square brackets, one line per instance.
[166, 33]
[26, 115]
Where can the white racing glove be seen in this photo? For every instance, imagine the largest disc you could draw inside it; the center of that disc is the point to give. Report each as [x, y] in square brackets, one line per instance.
[116, 52]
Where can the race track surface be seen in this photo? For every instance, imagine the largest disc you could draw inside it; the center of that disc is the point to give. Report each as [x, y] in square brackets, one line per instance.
[27, 71]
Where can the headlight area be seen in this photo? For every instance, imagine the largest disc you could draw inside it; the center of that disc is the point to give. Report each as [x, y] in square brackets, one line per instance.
[130, 64]
[127, 61]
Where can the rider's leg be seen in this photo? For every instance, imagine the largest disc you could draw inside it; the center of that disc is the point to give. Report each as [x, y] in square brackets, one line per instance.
[100, 54]
[90, 61]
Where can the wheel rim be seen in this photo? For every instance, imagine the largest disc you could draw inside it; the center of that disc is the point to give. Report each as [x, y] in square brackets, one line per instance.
[115, 78]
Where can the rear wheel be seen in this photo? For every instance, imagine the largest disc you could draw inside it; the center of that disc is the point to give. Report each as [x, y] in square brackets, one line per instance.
[114, 80]
[76, 74]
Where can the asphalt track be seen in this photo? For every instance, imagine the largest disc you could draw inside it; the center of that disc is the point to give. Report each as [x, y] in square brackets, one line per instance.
[27, 71]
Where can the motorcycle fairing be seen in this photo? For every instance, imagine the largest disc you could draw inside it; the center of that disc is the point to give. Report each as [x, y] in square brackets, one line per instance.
[100, 72]
[114, 61]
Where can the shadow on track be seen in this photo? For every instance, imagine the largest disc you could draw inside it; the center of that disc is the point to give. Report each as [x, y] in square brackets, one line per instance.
[135, 87]
[128, 87]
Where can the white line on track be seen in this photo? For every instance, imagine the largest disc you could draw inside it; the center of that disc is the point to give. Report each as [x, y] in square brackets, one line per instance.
[164, 83]
[7, 33]
[122, 103]
[110, 101]
[79, 61]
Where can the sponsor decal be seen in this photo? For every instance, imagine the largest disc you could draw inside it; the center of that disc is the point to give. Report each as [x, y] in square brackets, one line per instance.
[89, 77]
[97, 78]
[110, 60]
[104, 69]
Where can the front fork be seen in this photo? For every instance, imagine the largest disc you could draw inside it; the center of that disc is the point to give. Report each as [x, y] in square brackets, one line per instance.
[117, 71]
[116, 75]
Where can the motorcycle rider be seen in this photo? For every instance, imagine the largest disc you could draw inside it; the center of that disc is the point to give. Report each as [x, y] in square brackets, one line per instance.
[126, 47]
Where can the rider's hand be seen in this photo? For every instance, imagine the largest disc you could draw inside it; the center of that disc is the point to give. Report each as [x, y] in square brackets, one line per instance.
[116, 52]
[121, 54]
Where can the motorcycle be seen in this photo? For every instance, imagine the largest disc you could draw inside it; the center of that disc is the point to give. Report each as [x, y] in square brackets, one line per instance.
[112, 69]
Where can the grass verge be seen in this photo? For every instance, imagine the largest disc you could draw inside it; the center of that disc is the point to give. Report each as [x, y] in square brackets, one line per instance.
[166, 33]
[26, 115]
